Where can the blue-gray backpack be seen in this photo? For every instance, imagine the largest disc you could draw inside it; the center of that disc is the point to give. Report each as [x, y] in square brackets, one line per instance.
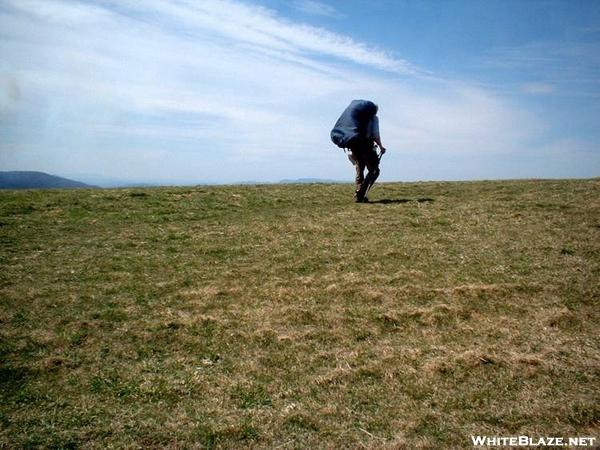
[353, 123]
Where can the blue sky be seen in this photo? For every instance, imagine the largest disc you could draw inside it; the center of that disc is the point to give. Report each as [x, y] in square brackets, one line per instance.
[184, 91]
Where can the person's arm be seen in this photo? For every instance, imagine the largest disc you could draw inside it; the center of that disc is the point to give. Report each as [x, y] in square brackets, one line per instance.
[375, 134]
[380, 145]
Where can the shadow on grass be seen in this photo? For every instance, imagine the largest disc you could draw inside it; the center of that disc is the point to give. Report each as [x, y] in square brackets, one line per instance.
[387, 201]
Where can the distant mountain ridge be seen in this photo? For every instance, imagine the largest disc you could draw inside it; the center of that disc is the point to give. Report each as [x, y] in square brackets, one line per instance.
[42, 180]
[36, 180]
[310, 181]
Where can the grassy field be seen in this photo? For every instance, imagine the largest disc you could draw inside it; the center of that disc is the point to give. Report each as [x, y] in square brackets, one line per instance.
[287, 316]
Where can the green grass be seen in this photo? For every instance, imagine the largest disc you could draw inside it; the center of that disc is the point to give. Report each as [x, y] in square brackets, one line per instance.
[289, 317]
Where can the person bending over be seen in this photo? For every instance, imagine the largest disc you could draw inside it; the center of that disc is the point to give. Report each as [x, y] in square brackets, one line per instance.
[357, 129]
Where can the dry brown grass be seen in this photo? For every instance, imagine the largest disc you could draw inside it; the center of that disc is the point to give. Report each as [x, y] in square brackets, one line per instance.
[289, 317]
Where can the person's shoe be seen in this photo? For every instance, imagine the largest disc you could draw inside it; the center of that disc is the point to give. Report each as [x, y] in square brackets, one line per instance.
[365, 200]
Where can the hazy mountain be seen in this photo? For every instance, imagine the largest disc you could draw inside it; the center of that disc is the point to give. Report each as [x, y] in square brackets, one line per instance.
[36, 180]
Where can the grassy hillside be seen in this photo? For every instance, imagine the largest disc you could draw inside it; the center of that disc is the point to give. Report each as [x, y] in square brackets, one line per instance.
[290, 317]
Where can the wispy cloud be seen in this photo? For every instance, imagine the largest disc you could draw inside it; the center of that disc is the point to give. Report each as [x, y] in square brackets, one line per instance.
[316, 8]
[538, 88]
[218, 90]
[10, 93]
[264, 29]
[553, 67]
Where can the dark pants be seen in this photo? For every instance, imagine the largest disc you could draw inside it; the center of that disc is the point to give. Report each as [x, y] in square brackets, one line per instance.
[364, 155]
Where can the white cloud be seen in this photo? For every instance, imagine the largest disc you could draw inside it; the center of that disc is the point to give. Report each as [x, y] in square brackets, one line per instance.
[62, 12]
[538, 88]
[260, 27]
[316, 8]
[10, 94]
[221, 90]
[568, 68]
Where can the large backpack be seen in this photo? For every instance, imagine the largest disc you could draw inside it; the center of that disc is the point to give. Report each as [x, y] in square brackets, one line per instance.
[353, 123]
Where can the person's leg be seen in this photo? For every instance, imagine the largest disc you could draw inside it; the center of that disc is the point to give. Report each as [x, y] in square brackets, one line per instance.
[371, 160]
[357, 158]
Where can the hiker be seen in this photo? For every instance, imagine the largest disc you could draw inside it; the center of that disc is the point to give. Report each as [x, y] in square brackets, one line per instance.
[357, 129]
